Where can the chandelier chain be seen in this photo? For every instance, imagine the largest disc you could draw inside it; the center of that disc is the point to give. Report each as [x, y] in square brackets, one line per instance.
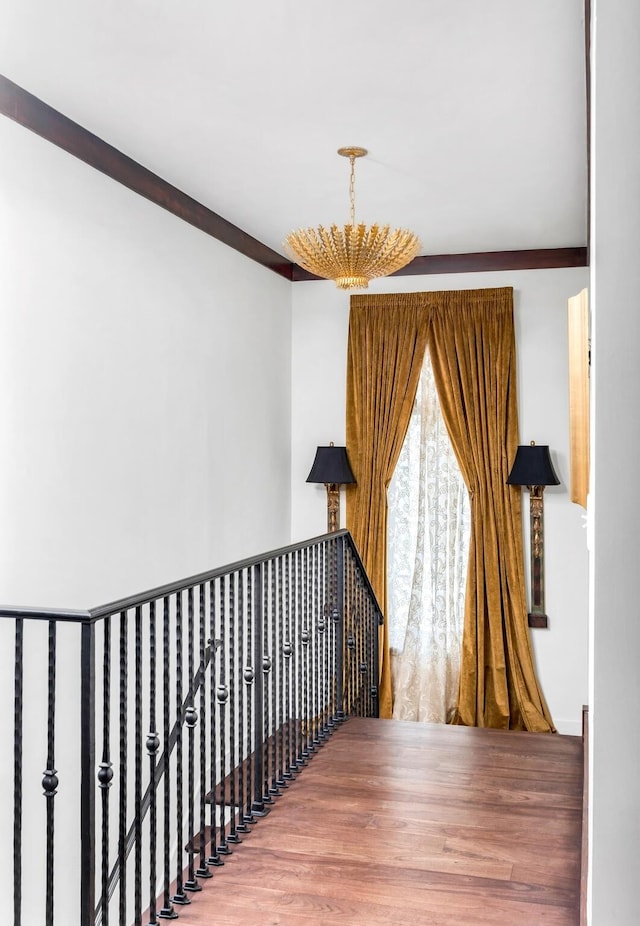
[352, 189]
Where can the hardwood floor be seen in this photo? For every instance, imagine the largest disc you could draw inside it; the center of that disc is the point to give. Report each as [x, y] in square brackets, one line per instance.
[413, 824]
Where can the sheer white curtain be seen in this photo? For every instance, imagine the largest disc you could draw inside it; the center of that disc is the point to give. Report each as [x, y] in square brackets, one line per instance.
[428, 546]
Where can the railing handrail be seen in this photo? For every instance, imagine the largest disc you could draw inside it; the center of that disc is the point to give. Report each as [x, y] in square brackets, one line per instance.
[124, 604]
[46, 614]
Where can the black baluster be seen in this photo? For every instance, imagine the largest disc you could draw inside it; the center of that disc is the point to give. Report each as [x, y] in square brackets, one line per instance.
[333, 633]
[222, 696]
[372, 629]
[122, 803]
[358, 661]
[232, 836]
[356, 617]
[300, 759]
[191, 719]
[362, 655]
[266, 676]
[376, 662]
[273, 649]
[340, 636]
[279, 649]
[50, 775]
[258, 807]
[350, 643]
[316, 647]
[137, 785]
[214, 858]
[304, 639]
[362, 649]
[242, 825]
[167, 912]
[322, 642]
[203, 870]
[87, 775]
[249, 678]
[18, 685]
[179, 897]
[153, 744]
[287, 652]
[363, 662]
[105, 772]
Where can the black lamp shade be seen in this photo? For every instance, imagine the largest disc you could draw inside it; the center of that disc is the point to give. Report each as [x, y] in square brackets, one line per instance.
[331, 465]
[533, 467]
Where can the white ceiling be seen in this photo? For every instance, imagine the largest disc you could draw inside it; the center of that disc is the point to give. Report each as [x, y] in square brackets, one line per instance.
[473, 112]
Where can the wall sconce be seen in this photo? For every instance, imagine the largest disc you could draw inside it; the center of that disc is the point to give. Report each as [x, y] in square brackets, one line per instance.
[331, 466]
[532, 467]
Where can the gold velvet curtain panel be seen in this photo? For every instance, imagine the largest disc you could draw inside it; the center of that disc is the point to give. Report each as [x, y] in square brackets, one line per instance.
[471, 338]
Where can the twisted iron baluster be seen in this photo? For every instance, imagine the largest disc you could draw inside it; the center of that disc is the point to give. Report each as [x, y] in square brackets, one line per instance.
[179, 897]
[287, 651]
[364, 657]
[167, 912]
[371, 629]
[340, 623]
[87, 873]
[137, 786]
[335, 647]
[18, 686]
[273, 649]
[258, 807]
[242, 826]
[122, 803]
[50, 775]
[222, 695]
[214, 858]
[203, 870]
[266, 674]
[279, 649]
[105, 772]
[300, 759]
[351, 643]
[304, 639]
[191, 719]
[232, 836]
[249, 677]
[153, 744]
[316, 647]
[322, 641]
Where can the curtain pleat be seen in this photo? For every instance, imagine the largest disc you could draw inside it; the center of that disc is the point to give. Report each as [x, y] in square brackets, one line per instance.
[472, 343]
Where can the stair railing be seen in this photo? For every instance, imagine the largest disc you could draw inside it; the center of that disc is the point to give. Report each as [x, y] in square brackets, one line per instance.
[200, 703]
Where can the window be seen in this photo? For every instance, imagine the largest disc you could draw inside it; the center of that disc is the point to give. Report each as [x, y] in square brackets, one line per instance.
[428, 545]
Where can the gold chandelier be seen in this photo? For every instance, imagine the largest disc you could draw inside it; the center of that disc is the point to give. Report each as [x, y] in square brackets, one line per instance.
[355, 254]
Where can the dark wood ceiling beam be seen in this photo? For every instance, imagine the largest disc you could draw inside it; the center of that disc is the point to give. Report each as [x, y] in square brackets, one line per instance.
[32, 113]
[21, 106]
[532, 259]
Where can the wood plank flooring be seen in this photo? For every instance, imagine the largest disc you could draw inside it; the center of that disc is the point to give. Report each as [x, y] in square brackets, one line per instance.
[413, 824]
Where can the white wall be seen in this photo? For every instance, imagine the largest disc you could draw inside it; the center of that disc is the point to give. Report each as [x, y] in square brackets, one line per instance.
[320, 327]
[145, 422]
[145, 389]
[615, 623]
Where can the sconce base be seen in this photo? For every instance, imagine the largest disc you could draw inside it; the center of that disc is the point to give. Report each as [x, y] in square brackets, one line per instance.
[537, 619]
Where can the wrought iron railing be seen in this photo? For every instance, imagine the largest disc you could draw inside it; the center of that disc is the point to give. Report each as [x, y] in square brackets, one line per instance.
[200, 702]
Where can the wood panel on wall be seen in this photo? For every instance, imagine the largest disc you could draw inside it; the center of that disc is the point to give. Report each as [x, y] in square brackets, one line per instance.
[579, 356]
